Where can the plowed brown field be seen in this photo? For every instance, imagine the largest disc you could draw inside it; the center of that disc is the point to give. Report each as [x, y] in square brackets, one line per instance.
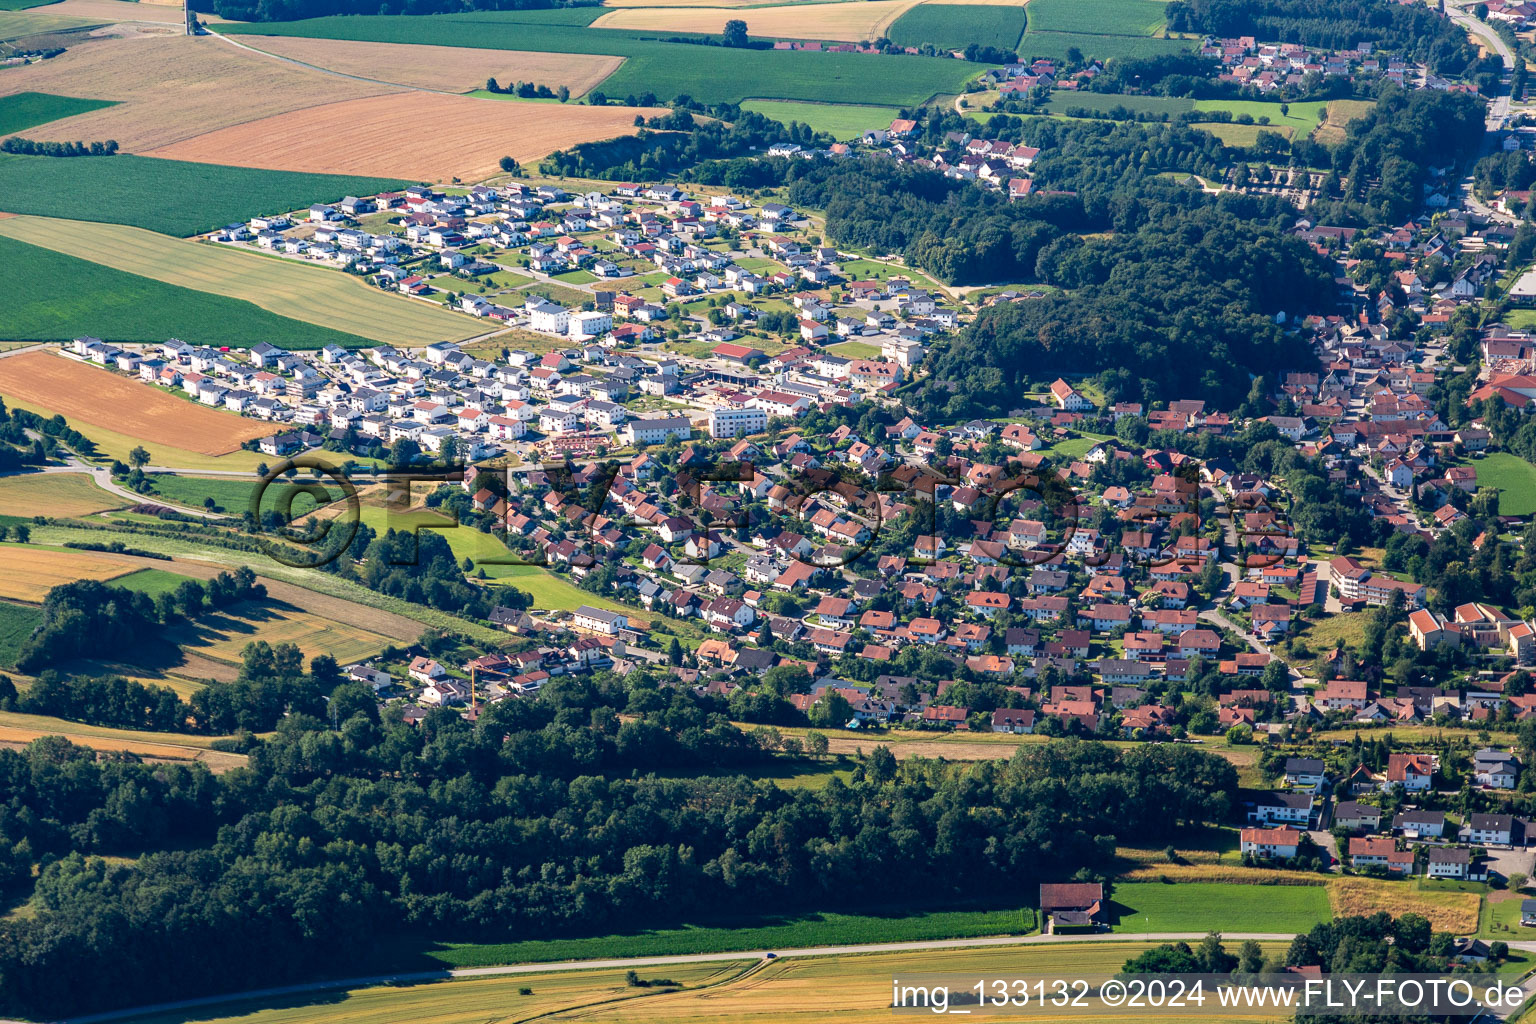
[87, 395]
[426, 136]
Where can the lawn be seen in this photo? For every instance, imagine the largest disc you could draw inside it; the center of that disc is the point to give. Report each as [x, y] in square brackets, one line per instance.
[314, 294]
[855, 350]
[710, 74]
[55, 297]
[170, 196]
[956, 26]
[1103, 104]
[1302, 117]
[1201, 906]
[53, 494]
[768, 932]
[1515, 480]
[29, 109]
[16, 624]
[1500, 918]
[841, 120]
[153, 582]
[1238, 135]
[1098, 17]
[1054, 45]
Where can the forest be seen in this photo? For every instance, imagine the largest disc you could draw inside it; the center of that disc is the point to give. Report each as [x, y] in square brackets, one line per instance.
[333, 843]
[1415, 31]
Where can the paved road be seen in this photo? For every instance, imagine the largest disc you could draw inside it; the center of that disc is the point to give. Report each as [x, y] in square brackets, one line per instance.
[1498, 107]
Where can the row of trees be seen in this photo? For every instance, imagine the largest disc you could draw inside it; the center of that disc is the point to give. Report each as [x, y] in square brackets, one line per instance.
[27, 147]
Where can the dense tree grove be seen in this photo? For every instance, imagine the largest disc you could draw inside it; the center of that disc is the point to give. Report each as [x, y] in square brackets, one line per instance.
[85, 617]
[1416, 31]
[1186, 307]
[679, 142]
[333, 842]
[418, 566]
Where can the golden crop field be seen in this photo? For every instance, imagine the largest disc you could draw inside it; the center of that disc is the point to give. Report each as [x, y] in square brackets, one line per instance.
[1447, 911]
[850, 21]
[171, 87]
[444, 68]
[1339, 114]
[17, 730]
[28, 573]
[223, 637]
[811, 989]
[90, 395]
[420, 135]
[114, 445]
[313, 294]
[53, 494]
[118, 11]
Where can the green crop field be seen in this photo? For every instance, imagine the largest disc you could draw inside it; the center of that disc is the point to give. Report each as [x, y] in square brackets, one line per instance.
[54, 297]
[1201, 906]
[1056, 45]
[1515, 480]
[18, 24]
[823, 929]
[956, 26]
[153, 582]
[231, 494]
[841, 120]
[22, 5]
[1099, 17]
[170, 196]
[711, 74]
[28, 109]
[16, 624]
[322, 296]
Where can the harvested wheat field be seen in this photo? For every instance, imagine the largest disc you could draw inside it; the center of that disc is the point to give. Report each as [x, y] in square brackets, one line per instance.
[223, 636]
[53, 494]
[1447, 911]
[443, 68]
[171, 87]
[420, 135]
[29, 573]
[87, 396]
[117, 11]
[315, 295]
[850, 21]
